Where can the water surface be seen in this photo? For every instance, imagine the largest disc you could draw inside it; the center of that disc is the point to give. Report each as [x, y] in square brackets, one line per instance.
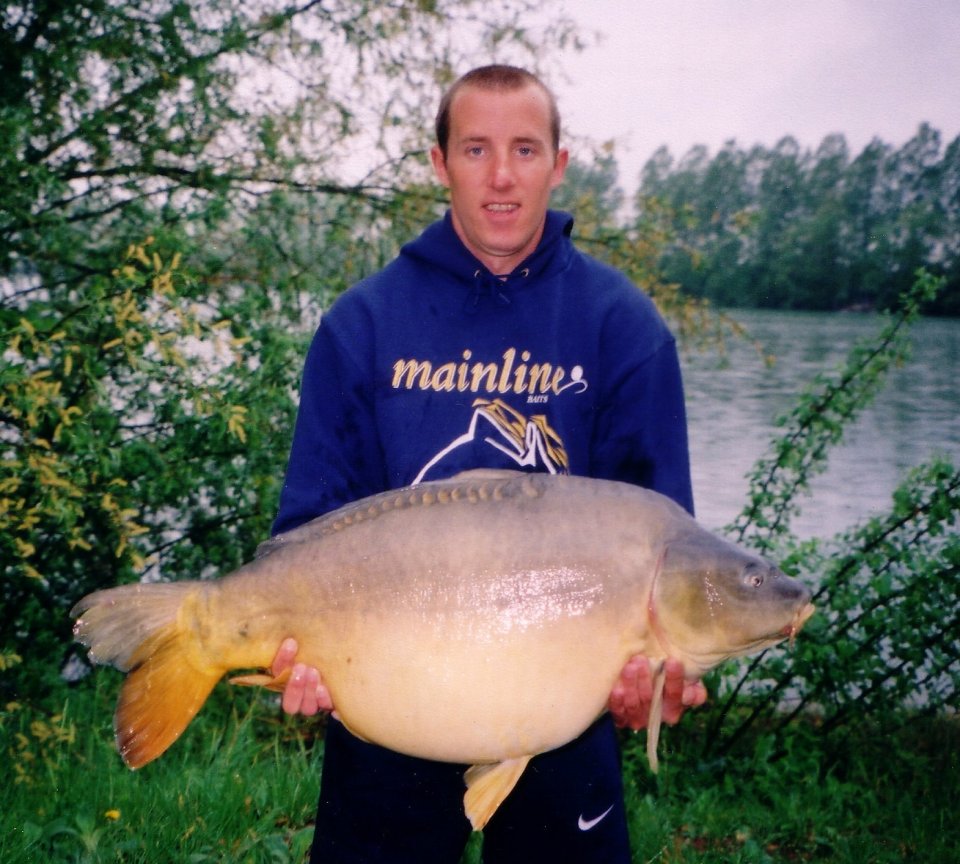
[731, 408]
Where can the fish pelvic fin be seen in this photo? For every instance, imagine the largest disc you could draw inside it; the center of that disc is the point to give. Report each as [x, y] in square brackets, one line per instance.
[146, 630]
[277, 683]
[656, 717]
[488, 786]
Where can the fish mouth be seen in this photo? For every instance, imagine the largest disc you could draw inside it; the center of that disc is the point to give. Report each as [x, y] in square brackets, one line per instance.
[803, 614]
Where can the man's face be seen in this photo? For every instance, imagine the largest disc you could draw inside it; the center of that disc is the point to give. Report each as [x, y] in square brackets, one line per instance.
[500, 167]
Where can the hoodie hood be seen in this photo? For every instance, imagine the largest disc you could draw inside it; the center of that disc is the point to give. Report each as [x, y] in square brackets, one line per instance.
[439, 248]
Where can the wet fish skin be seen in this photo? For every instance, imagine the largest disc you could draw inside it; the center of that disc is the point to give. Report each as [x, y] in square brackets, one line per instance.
[441, 615]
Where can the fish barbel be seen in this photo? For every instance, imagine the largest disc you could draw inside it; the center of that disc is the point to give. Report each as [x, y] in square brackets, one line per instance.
[480, 620]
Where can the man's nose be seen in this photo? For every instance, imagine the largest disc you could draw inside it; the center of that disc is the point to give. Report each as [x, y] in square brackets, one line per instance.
[502, 175]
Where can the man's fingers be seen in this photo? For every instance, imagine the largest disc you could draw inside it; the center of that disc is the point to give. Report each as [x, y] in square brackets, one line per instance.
[293, 693]
[284, 656]
[310, 705]
[673, 687]
[630, 699]
[632, 695]
[637, 685]
[694, 694]
[305, 692]
[324, 699]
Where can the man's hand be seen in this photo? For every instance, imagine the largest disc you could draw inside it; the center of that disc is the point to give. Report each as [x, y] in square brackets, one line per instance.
[632, 694]
[304, 693]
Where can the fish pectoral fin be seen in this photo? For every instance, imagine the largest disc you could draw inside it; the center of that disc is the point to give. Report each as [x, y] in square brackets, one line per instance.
[487, 786]
[656, 717]
[262, 679]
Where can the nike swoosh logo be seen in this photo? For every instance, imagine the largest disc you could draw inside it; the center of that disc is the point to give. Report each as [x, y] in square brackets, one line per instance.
[587, 824]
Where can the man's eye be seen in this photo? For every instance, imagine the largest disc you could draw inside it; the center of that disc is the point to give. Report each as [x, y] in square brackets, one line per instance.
[525, 151]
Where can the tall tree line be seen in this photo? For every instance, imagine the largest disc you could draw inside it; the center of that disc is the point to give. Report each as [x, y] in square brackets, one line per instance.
[793, 228]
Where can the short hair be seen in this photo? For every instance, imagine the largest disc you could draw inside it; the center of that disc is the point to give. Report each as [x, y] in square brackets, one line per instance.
[494, 77]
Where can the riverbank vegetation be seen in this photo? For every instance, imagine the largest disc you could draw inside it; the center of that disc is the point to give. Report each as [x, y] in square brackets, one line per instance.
[170, 231]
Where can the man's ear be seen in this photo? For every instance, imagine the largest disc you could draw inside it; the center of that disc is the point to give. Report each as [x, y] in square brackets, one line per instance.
[439, 163]
[559, 167]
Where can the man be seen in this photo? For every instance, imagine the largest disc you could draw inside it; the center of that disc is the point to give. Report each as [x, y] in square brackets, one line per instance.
[489, 342]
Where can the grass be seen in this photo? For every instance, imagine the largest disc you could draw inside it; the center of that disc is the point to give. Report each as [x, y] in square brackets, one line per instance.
[875, 800]
[241, 786]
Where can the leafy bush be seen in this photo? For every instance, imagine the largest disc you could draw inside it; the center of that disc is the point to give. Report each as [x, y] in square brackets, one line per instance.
[884, 643]
[133, 420]
[176, 208]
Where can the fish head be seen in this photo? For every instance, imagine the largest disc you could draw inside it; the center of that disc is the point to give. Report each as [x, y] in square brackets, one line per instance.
[712, 600]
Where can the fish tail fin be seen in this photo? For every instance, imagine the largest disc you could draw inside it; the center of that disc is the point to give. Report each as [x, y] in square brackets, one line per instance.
[158, 699]
[487, 786]
[140, 629]
[656, 717]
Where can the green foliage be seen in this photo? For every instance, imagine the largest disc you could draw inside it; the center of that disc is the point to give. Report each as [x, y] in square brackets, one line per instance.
[174, 215]
[135, 418]
[784, 797]
[882, 647]
[787, 228]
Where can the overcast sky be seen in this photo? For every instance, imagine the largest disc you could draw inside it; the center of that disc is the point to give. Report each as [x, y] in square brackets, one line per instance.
[686, 72]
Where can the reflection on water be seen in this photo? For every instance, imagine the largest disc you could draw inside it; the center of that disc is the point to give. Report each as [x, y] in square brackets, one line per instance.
[732, 406]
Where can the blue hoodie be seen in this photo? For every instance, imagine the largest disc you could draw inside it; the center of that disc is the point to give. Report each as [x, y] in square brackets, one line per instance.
[434, 366]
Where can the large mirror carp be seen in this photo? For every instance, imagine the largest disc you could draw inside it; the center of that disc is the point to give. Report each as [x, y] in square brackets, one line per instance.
[479, 620]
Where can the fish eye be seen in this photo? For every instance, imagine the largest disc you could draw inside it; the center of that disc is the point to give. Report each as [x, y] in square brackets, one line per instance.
[752, 577]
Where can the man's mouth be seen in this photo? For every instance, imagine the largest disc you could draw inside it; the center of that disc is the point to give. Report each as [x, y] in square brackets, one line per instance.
[500, 208]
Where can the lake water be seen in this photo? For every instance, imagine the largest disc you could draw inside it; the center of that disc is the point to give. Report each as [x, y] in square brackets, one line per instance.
[732, 405]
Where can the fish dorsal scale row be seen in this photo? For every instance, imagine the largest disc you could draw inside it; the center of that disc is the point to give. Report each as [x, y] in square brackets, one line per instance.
[468, 487]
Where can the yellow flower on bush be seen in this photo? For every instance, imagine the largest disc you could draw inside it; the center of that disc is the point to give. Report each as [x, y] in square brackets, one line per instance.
[112, 815]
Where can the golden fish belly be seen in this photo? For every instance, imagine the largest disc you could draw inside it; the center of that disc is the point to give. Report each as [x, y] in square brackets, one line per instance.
[434, 693]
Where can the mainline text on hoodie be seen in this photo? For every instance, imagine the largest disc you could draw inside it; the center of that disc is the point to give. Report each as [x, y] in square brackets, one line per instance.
[538, 380]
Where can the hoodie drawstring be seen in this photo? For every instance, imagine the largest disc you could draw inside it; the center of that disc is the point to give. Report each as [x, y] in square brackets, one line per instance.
[485, 284]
